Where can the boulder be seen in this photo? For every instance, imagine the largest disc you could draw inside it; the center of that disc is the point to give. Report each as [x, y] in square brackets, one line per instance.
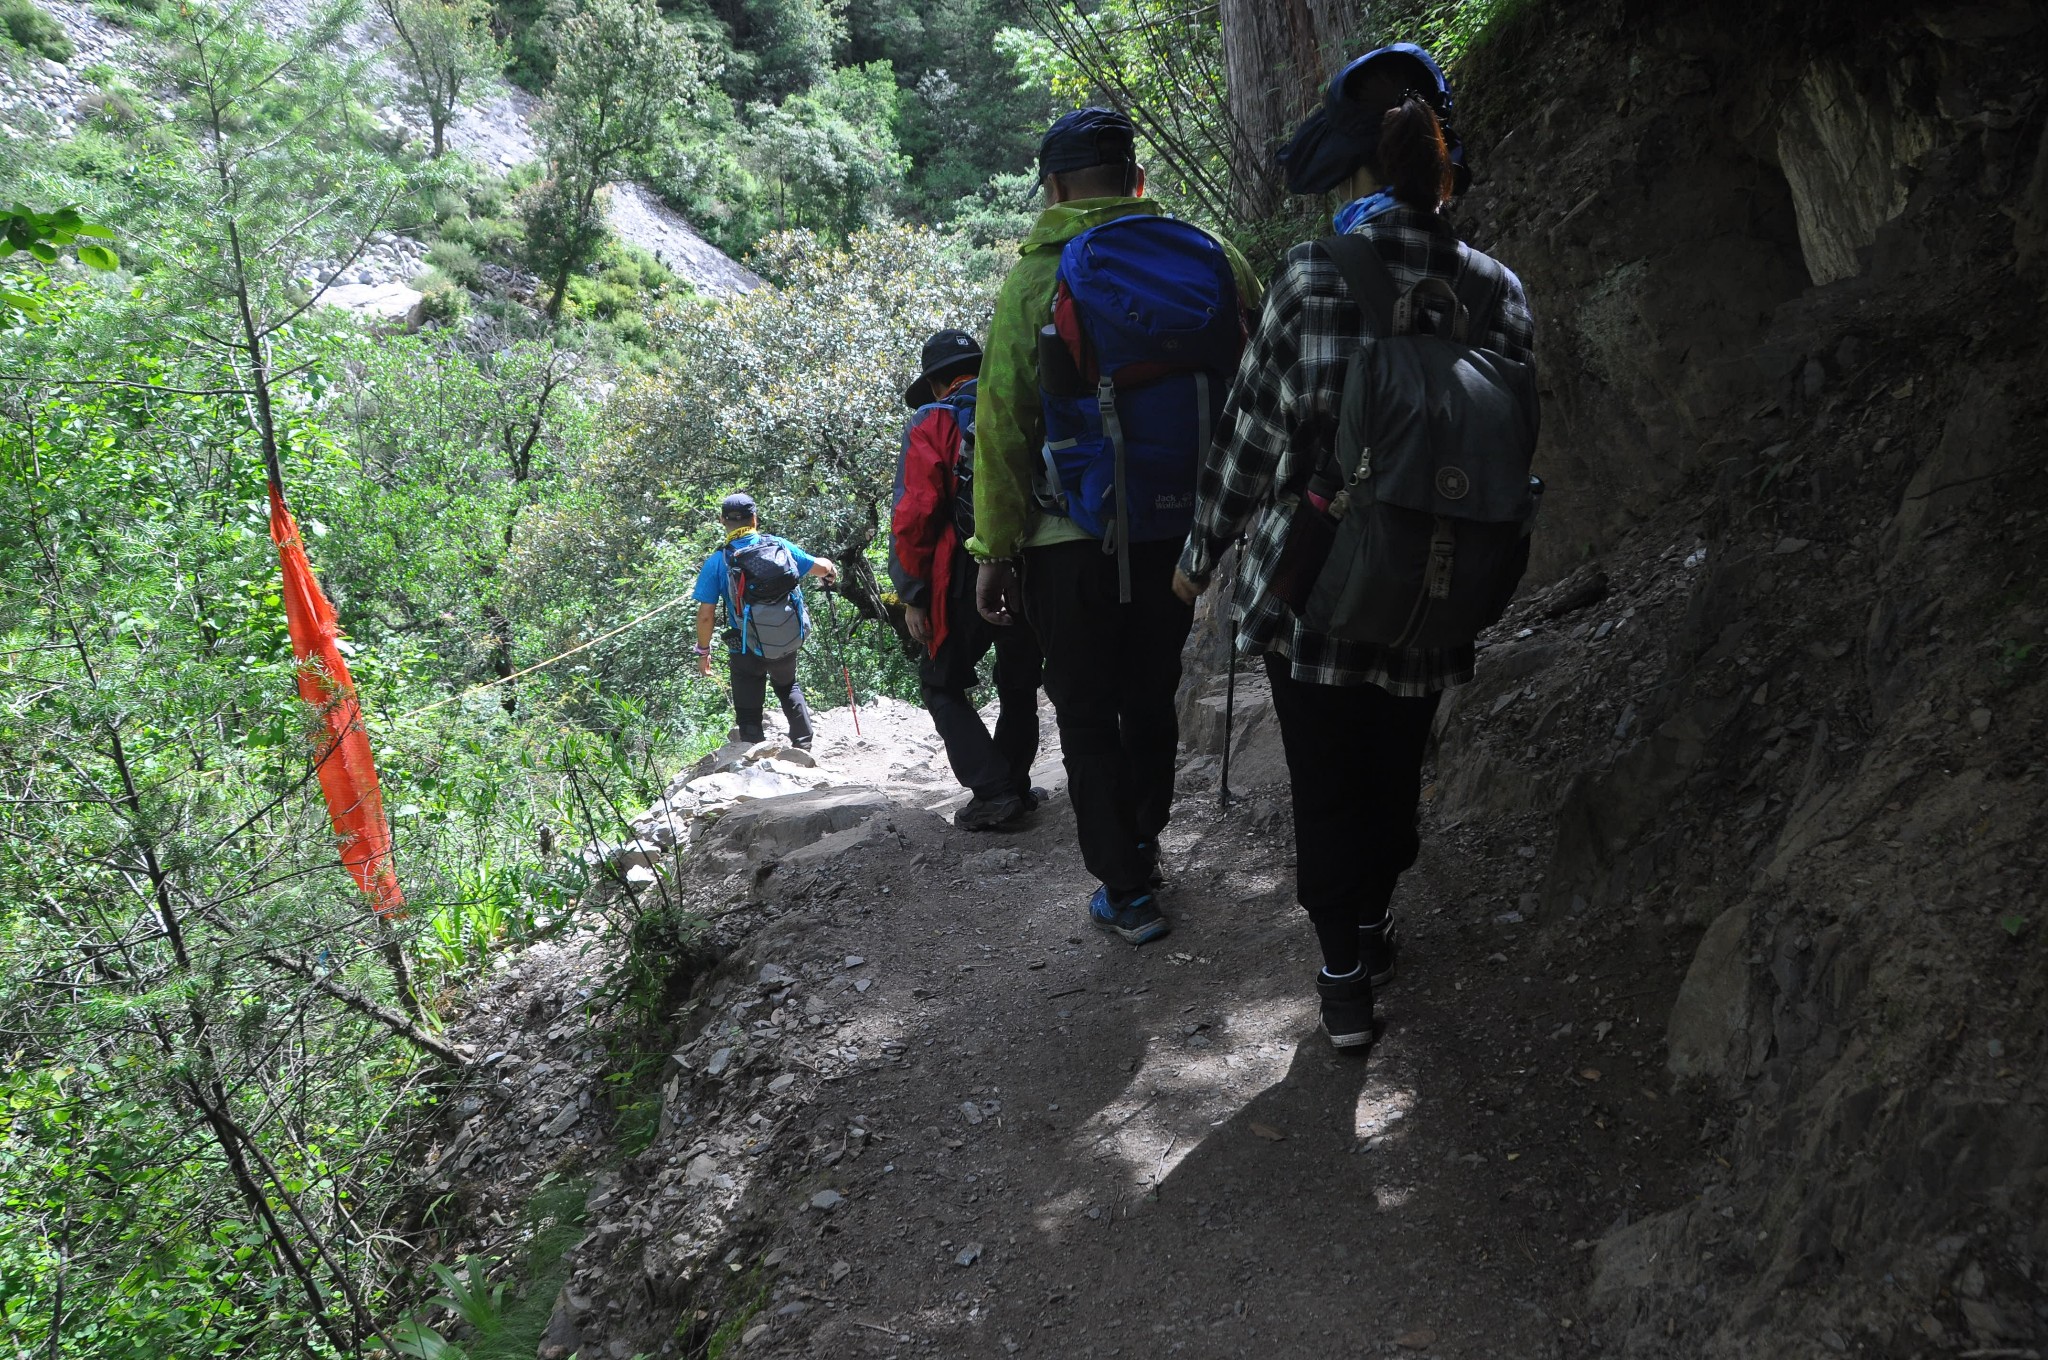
[1708, 1031]
[1256, 756]
[1978, 443]
[769, 828]
[386, 304]
[751, 783]
[1845, 151]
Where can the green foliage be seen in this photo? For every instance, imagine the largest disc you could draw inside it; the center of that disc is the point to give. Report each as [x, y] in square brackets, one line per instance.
[127, 13]
[623, 80]
[1161, 61]
[826, 158]
[42, 236]
[34, 31]
[455, 259]
[443, 47]
[792, 42]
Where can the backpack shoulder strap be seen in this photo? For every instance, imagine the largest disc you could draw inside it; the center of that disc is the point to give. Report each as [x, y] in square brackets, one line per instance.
[1365, 274]
[1482, 288]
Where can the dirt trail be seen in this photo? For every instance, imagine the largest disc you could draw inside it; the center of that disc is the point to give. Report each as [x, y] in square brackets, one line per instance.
[951, 1118]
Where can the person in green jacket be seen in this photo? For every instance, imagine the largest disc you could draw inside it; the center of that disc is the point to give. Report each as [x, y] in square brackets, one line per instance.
[1111, 666]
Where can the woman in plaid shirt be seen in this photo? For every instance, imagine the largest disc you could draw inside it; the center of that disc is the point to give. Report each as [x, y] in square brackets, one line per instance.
[1354, 717]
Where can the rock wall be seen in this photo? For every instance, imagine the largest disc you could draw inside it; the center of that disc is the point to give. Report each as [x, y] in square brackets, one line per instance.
[1786, 264]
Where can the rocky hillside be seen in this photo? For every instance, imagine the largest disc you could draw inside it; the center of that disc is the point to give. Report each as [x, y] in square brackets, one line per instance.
[1782, 713]
[494, 128]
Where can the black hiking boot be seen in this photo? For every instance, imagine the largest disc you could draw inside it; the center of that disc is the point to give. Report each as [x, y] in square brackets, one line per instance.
[1347, 1009]
[1378, 946]
[987, 814]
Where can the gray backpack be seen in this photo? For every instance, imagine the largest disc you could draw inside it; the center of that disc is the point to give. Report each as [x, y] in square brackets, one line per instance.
[1430, 490]
[770, 618]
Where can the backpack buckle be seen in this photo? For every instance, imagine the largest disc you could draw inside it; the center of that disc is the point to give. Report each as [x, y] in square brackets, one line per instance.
[1443, 547]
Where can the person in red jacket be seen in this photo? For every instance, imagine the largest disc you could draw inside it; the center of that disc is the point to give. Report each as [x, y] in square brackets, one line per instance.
[935, 578]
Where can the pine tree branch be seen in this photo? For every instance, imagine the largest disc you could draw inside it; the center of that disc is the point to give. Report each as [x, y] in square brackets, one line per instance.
[454, 1055]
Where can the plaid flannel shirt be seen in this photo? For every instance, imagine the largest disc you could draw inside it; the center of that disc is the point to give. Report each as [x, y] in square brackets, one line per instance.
[1280, 423]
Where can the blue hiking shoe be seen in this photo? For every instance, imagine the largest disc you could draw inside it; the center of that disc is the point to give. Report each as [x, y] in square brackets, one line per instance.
[1138, 920]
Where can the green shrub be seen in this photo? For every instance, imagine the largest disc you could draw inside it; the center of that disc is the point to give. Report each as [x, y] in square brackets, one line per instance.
[445, 301]
[34, 31]
[458, 262]
[498, 238]
[448, 203]
[127, 13]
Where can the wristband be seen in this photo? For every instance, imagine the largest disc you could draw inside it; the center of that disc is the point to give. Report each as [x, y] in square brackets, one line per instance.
[703, 651]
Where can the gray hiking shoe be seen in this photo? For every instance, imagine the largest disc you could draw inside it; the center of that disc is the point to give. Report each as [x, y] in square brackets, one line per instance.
[986, 814]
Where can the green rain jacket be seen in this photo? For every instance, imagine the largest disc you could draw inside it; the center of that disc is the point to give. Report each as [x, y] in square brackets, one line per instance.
[1010, 422]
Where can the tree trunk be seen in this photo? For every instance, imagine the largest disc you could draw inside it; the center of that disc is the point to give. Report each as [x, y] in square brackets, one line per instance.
[1276, 56]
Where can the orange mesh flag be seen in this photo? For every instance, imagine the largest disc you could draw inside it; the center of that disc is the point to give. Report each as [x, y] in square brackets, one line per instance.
[348, 776]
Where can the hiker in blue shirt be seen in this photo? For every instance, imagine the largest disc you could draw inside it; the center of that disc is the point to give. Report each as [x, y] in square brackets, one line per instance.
[754, 576]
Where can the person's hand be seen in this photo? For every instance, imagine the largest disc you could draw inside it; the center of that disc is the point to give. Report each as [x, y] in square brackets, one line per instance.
[995, 591]
[704, 663]
[1188, 591]
[918, 621]
[829, 572]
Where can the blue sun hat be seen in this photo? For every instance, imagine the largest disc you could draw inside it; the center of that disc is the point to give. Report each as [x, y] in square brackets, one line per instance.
[1344, 134]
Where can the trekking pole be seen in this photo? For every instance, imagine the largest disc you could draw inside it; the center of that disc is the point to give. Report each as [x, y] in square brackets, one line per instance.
[1230, 683]
[832, 612]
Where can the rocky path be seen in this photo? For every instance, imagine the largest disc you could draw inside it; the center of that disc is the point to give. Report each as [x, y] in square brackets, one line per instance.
[925, 1109]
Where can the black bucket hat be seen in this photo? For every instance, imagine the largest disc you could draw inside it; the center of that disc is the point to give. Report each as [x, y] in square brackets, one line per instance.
[945, 354]
[1344, 134]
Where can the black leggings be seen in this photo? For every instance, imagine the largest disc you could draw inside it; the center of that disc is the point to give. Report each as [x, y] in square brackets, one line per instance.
[1354, 768]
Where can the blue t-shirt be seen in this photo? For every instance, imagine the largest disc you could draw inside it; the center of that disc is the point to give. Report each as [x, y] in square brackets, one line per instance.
[714, 580]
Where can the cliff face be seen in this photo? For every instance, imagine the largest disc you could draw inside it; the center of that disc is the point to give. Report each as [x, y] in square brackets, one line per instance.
[1788, 264]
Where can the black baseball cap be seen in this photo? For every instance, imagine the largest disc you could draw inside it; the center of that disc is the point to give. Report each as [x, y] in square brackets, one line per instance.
[947, 353]
[1084, 138]
[737, 508]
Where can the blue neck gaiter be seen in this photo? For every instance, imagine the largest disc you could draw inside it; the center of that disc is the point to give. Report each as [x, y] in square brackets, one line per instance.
[1359, 211]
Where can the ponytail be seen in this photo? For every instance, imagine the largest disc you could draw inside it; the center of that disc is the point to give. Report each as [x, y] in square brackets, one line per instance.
[1414, 160]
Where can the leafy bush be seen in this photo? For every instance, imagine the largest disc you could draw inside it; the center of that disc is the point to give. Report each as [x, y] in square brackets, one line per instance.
[32, 30]
[457, 261]
[443, 299]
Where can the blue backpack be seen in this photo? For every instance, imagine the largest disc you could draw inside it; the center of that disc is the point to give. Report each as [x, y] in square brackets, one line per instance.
[1147, 330]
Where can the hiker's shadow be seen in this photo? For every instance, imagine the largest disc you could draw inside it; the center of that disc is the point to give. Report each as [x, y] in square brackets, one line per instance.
[1309, 1160]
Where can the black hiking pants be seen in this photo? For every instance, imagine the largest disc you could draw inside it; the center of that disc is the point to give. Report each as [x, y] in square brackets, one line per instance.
[992, 766]
[1354, 768]
[1111, 670]
[751, 676]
